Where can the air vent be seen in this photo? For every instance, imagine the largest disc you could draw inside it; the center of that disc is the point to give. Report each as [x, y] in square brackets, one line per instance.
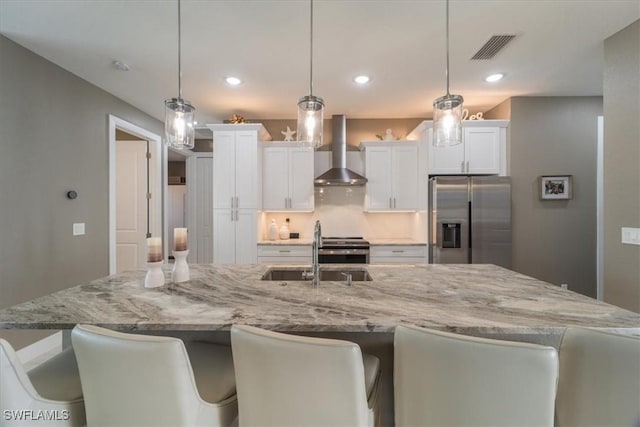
[493, 46]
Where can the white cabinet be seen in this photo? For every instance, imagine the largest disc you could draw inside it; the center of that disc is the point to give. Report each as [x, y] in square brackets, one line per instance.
[284, 254]
[483, 151]
[287, 177]
[236, 191]
[391, 169]
[398, 254]
[235, 236]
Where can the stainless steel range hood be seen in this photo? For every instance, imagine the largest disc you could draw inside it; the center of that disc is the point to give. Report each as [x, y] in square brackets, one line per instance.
[339, 174]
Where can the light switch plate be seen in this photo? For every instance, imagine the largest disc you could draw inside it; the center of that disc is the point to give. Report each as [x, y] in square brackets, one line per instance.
[78, 229]
[631, 236]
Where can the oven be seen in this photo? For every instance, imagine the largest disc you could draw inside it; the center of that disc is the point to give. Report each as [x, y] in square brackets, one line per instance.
[343, 250]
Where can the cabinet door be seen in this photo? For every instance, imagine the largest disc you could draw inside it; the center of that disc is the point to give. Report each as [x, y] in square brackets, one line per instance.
[224, 236]
[224, 159]
[378, 173]
[446, 160]
[405, 177]
[482, 146]
[301, 195]
[246, 248]
[246, 172]
[275, 178]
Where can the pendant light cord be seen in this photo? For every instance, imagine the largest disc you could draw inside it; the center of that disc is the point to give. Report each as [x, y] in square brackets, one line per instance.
[179, 54]
[311, 50]
[447, 32]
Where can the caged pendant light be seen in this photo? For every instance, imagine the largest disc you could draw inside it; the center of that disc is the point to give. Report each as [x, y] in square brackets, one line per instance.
[447, 111]
[310, 107]
[179, 113]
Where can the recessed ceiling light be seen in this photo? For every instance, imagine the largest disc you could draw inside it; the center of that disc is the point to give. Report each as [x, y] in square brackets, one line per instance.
[120, 65]
[232, 81]
[494, 77]
[362, 80]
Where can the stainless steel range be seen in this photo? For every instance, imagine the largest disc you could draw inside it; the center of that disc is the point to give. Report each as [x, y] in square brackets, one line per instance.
[344, 250]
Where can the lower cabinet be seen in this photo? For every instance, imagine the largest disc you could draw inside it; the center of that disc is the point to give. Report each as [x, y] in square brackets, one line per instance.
[398, 254]
[284, 254]
[235, 236]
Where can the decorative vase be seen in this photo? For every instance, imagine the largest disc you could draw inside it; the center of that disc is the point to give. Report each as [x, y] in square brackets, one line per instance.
[155, 276]
[180, 272]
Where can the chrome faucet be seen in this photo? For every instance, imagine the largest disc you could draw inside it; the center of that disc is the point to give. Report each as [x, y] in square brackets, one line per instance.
[314, 275]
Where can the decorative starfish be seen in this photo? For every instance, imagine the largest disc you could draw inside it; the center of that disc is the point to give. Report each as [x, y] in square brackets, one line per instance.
[288, 135]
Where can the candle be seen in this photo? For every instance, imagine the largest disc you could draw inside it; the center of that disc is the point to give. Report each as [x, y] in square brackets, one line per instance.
[154, 249]
[179, 239]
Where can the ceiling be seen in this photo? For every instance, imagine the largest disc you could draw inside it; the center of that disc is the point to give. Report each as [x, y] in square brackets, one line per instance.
[400, 44]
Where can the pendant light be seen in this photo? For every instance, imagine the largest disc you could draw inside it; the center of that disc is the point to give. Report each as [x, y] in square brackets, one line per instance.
[179, 113]
[447, 111]
[310, 107]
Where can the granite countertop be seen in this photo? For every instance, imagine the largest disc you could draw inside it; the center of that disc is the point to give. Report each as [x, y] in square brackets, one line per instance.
[470, 299]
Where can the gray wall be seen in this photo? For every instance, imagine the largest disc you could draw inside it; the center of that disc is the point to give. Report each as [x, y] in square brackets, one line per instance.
[53, 138]
[622, 166]
[554, 240]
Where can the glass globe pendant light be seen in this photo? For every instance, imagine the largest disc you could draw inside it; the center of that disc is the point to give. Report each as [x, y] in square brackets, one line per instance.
[447, 111]
[310, 107]
[179, 113]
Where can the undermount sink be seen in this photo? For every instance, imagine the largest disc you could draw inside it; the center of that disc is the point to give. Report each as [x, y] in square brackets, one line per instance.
[357, 275]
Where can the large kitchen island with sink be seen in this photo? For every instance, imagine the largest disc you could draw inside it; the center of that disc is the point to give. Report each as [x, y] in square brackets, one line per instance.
[480, 300]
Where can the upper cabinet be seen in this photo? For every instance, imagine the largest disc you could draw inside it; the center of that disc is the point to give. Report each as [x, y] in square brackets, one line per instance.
[482, 152]
[287, 177]
[391, 169]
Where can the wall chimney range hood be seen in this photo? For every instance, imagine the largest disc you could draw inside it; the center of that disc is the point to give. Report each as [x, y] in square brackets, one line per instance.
[339, 174]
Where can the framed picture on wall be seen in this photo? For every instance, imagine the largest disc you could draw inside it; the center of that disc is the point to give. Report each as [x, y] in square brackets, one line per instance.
[557, 187]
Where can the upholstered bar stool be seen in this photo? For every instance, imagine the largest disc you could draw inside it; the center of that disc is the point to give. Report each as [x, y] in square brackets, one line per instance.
[289, 380]
[599, 379]
[141, 380]
[49, 394]
[443, 379]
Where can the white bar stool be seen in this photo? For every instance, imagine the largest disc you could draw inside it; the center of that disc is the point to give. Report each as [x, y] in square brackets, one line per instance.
[444, 379]
[599, 379]
[142, 380]
[289, 380]
[49, 394]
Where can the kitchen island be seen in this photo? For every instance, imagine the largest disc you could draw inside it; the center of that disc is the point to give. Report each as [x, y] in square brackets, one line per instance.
[480, 300]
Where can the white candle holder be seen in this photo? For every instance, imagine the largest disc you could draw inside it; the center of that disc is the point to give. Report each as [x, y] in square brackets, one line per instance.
[180, 272]
[155, 276]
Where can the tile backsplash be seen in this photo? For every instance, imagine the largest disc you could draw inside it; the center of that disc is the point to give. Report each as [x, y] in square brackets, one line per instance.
[340, 210]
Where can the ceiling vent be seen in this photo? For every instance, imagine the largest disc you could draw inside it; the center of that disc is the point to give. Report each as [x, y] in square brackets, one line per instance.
[493, 46]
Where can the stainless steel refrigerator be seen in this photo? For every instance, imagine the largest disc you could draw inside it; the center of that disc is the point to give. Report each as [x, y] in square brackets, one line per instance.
[470, 220]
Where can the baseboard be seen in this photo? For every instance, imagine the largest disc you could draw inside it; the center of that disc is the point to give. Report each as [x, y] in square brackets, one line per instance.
[52, 343]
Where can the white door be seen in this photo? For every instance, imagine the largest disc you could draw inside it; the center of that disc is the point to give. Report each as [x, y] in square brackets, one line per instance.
[246, 173]
[275, 178]
[378, 170]
[224, 160]
[301, 191]
[446, 160]
[131, 204]
[246, 236]
[482, 147]
[224, 236]
[405, 178]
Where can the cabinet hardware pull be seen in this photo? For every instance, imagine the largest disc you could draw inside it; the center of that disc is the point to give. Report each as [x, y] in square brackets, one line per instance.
[390, 205]
[283, 252]
[394, 202]
[398, 252]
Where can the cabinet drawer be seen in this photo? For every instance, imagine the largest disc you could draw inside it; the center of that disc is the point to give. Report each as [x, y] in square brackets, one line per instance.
[284, 260]
[399, 251]
[285, 251]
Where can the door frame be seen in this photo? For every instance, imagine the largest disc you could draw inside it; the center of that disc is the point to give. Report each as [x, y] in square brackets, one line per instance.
[158, 154]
